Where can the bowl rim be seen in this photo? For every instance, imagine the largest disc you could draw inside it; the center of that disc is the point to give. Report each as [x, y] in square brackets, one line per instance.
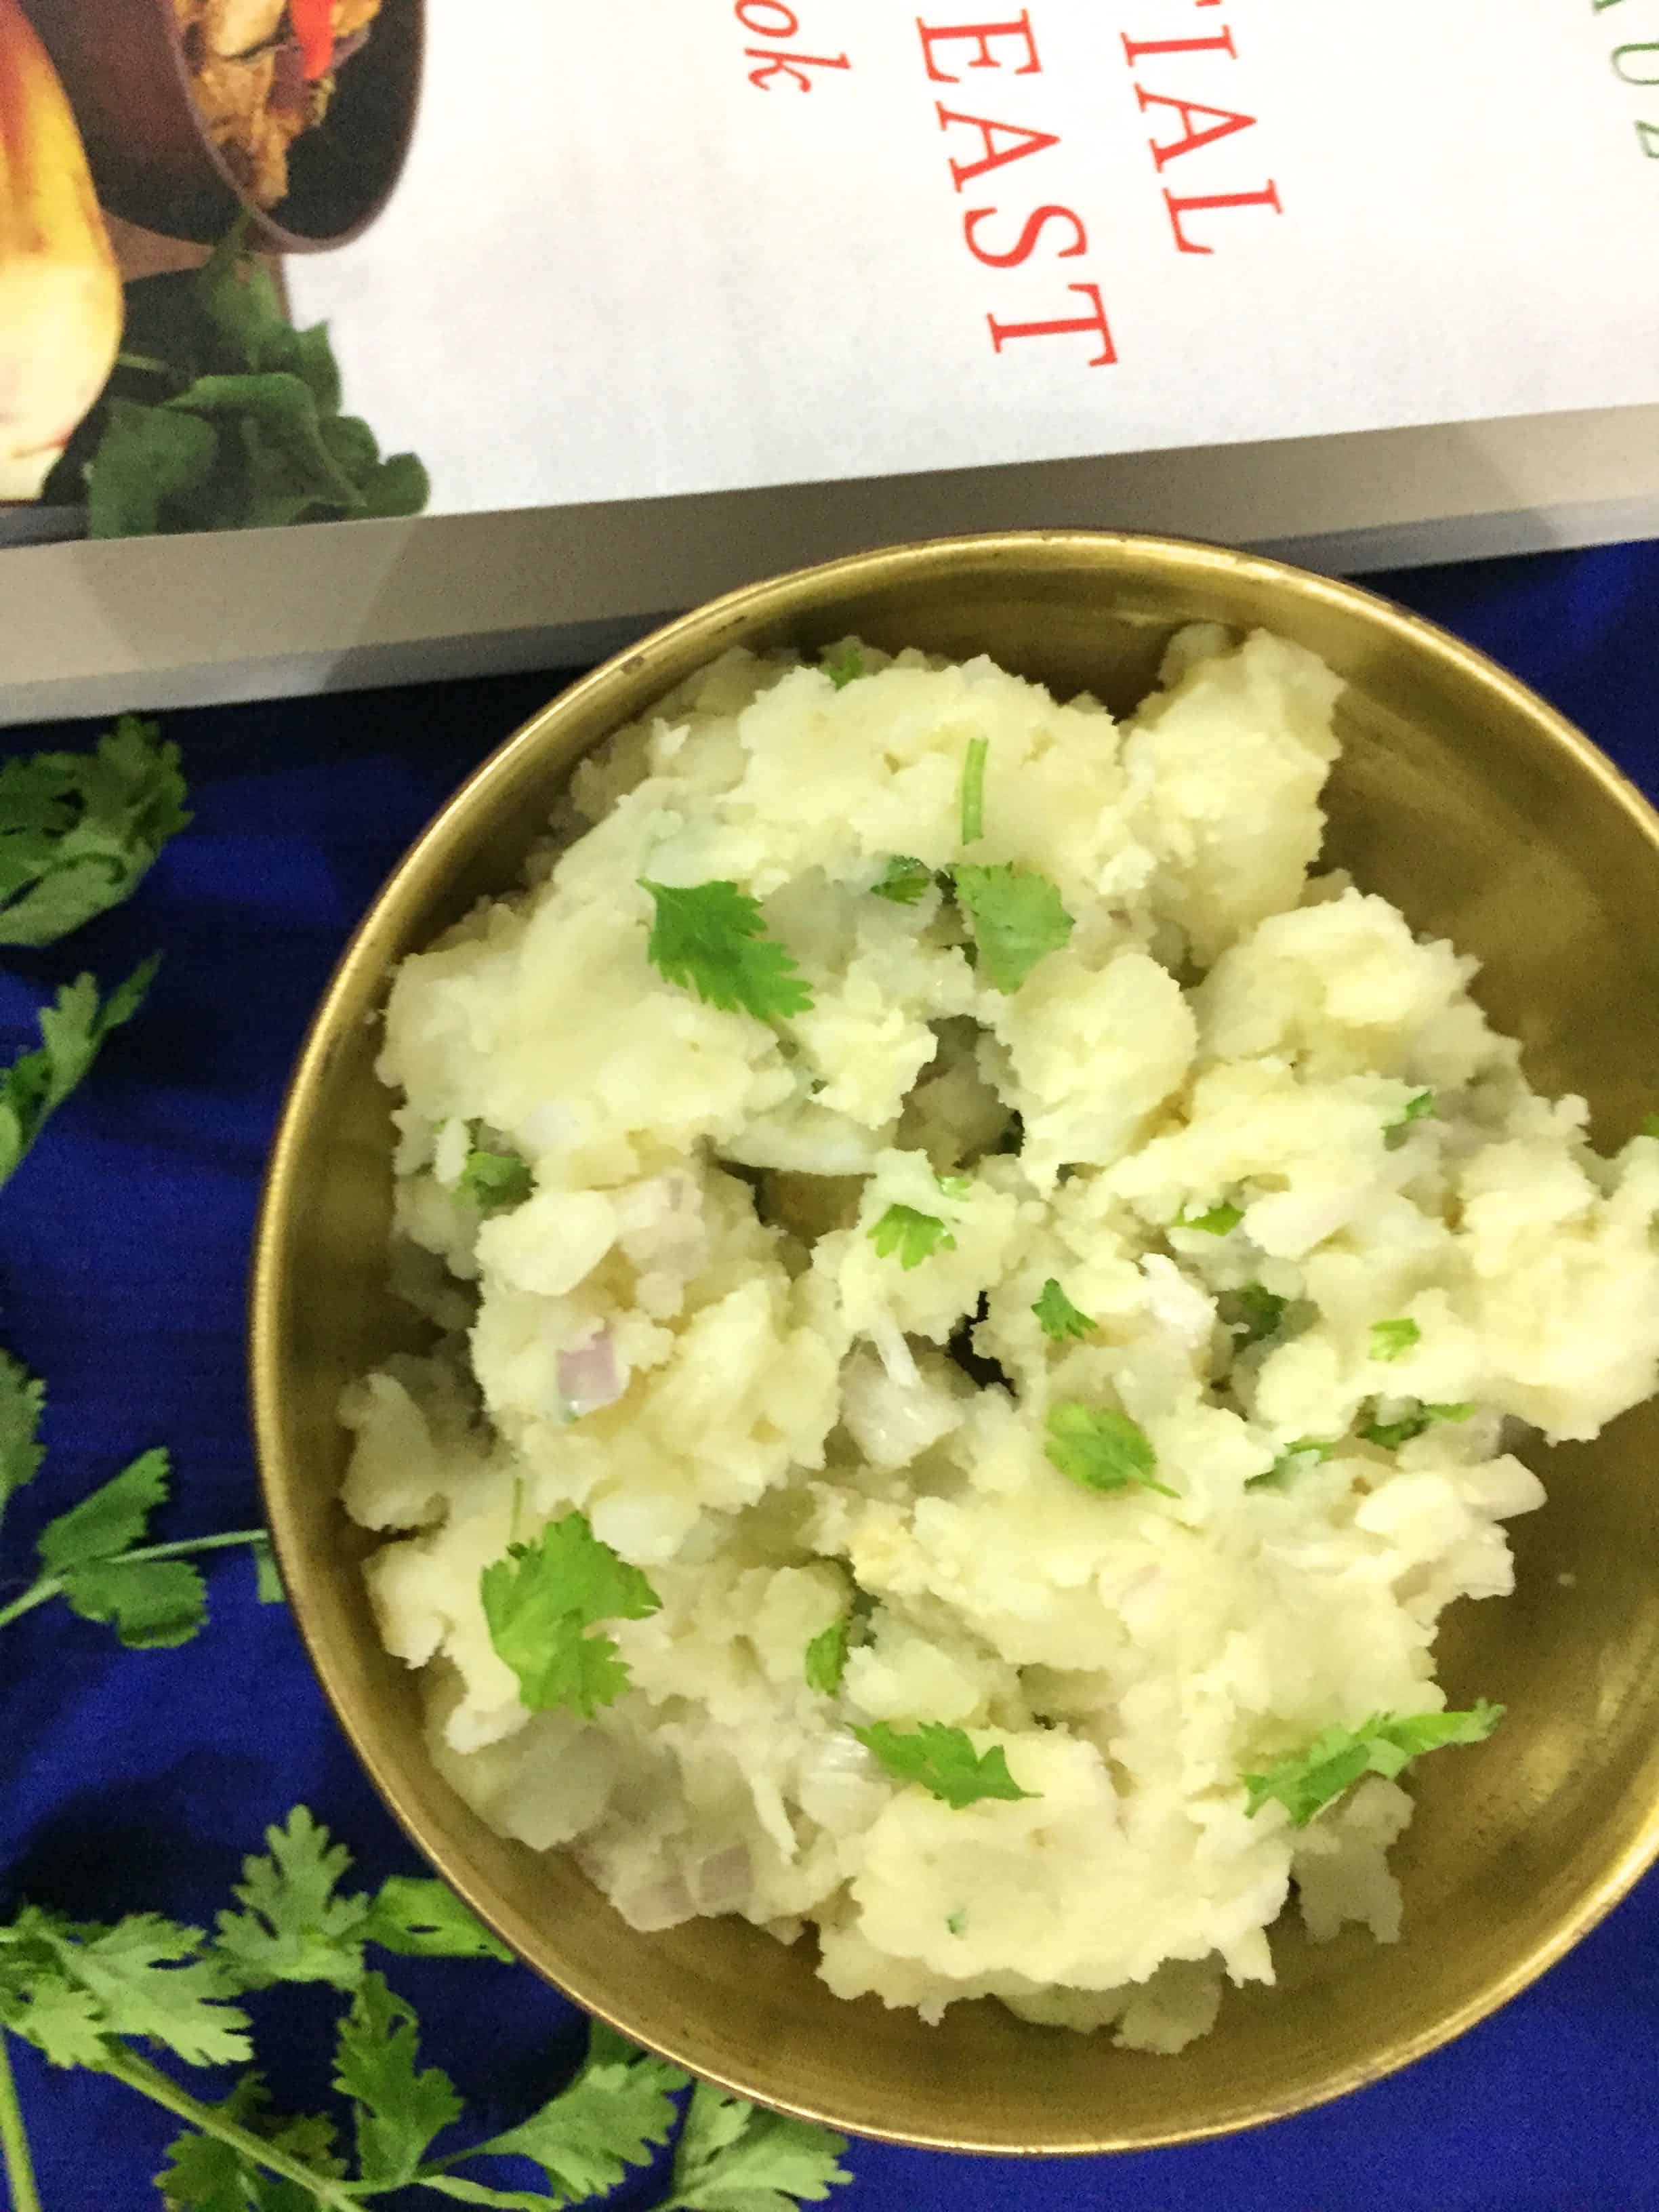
[265, 233]
[792, 592]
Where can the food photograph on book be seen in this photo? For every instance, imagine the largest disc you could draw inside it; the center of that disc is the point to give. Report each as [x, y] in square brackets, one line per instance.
[829, 1128]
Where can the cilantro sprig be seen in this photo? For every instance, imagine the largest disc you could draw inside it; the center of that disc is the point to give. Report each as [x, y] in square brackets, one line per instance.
[973, 789]
[1219, 1220]
[1100, 1448]
[1392, 1340]
[1017, 916]
[540, 1603]
[903, 881]
[93, 1556]
[910, 1235]
[843, 665]
[72, 1033]
[1308, 1780]
[79, 831]
[711, 938]
[1059, 1319]
[493, 1180]
[943, 1761]
[220, 415]
[1416, 1108]
[85, 1995]
[1417, 1417]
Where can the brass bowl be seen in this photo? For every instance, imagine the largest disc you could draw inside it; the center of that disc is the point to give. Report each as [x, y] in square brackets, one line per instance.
[1462, 797]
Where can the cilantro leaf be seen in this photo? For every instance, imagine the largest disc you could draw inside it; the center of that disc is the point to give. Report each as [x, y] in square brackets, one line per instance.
[914, 1237]
[732, 2157]
[615, 2114]
[1017, 917]
[1294, 1459]
[494, 1181]
[1309, 1780]
[943, 1761]
[293, 1926]
[973, 789]
[1101, 1449]
[1415, 1109]
[399, 2109]
[147, 1977]
[149, 460]
[710, 937]
[826, 1657]
[1251, 1313]
[112, 1520]
[78, 831]
[1392, 1340]
[1650, 1125]
[72, 1029]
[205, 2173]
[1059, 1319]
[843, 665]
[420, 1918]
[540, 1599]
[904, 881]
[22, 1401]
[1413, 1423]
[1217, 1221]
[153, 1605]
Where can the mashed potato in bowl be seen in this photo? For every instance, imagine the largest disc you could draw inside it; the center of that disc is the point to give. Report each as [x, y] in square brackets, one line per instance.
[982, 1310]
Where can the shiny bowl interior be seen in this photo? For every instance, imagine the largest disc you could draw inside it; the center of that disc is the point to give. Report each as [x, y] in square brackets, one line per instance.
[1460, 796]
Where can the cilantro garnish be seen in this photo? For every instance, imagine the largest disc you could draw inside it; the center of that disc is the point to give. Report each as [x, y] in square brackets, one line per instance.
[1392, 1434]
[22, 1401]
[72, 1030]
[1217, 1221]
[220, 415]
[956, 1923]
[78, 831]
[843, 665]
[1295, 1459]
[826, 1657]
[1017, 917]
[1101, 1449]
[93, 1556]
[541, 1599]
[1415, 1109]
[495, 1181]
[1305, 1784]
[904, 880]
[914, 1237]
[81, 1993]
[943, 1761]
[711, 938]
[1392, 1340]
[1650, 1125]
[1059, 1317]
[973, 789]
[1251, 1313]
[733, 2157]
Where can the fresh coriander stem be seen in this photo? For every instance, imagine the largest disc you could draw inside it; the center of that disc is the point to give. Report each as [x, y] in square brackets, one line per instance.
[138, 2074]
[146, 361]
[50, 1586]
[14, 2141]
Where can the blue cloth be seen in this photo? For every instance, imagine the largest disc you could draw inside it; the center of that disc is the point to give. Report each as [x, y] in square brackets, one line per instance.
[140, 1780]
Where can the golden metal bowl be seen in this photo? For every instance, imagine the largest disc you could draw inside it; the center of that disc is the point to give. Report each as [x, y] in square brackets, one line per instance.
[1460, 796]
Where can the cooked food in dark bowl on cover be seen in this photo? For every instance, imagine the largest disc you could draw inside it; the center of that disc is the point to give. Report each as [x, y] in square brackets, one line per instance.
[296, 114]
[264, 71]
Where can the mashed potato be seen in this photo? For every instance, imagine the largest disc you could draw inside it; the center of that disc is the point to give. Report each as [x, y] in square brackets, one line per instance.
[1236, 1180]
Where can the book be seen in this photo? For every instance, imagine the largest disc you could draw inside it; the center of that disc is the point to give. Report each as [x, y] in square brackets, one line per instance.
[627, 304]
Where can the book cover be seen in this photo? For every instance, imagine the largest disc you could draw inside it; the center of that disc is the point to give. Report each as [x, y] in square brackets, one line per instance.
[277, 264]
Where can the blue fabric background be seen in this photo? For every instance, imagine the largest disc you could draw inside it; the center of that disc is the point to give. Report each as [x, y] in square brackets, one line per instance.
[140, 1779]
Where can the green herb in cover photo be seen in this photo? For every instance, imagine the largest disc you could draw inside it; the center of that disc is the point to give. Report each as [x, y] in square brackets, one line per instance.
[221, 415]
